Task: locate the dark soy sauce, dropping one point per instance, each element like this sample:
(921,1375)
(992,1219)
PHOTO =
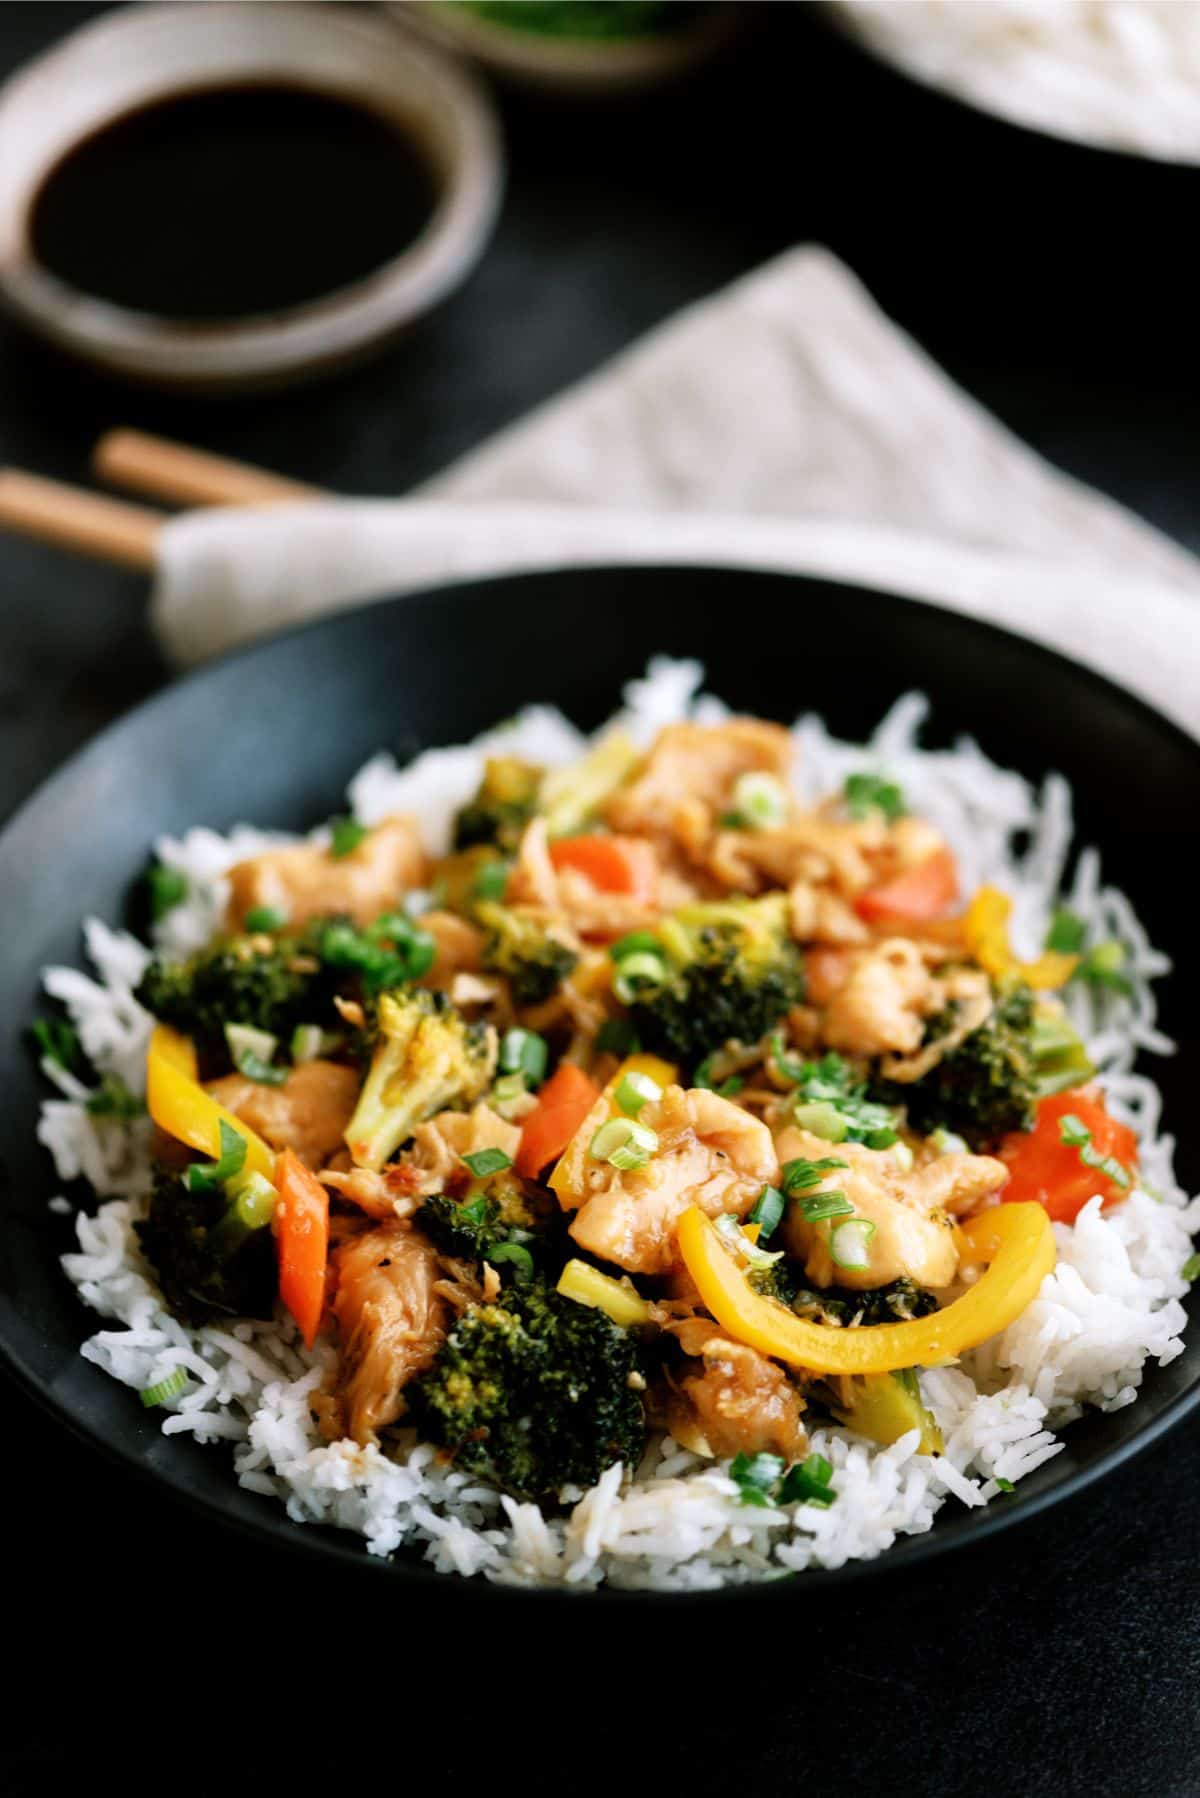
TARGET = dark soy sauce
(229,201)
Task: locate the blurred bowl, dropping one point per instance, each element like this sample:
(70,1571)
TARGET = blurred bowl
(141,55)
(579,65)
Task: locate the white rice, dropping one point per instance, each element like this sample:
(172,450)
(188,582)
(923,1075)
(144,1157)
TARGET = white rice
(1111,1306)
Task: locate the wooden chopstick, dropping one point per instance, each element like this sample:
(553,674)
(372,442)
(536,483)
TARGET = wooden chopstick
(182,476)
(111,529)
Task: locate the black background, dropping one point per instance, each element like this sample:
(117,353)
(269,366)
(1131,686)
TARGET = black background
(149,1649)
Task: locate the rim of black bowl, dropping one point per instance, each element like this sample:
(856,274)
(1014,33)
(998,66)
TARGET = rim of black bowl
(348,1550)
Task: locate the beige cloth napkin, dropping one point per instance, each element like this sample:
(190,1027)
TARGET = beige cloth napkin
(784,423)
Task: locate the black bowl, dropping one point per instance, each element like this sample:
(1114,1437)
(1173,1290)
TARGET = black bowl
(273,733)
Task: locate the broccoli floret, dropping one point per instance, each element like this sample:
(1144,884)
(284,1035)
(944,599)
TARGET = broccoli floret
(271,983)
(426,1059)
(898,1302)
(729,971)
(992,1081)
(206,1263)
(534,1392)
(502,807)
(534,960)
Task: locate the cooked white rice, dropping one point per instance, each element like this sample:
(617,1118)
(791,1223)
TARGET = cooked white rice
(1111,1305)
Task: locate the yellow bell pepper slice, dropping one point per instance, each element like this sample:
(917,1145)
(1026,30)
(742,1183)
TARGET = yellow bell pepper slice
(618,1300)
(179,1050)
(985,928)
(1016,1241)
(180,1106)
(562,1182)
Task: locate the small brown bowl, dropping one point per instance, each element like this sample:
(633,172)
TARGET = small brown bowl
(145,54)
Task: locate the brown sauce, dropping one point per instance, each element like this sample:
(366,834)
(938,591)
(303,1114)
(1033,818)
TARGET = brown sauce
(232,201)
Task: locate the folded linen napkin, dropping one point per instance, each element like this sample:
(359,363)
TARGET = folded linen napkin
(785,423)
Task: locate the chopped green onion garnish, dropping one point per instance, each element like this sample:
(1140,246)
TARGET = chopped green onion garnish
(734,1237)
(167,888)
(638,973)
(487,1161)
(1066,933)
(254,1198)
(636,1090)
(203,1176)
(850,1244)
(760,801)
(1075,1134)
(638,942)
(113,1099)
(755,1476)
(345,834)
(1072,1130)
(624,1144)
(801,1176)
(1190,1268)
(524,1052)
(947,1143)
(808,1483)
(766,1212)
(475,1210)
(1004,1485)
(265,917)
(168,1387)
(816,1207)
(866,793)
(251,1050)
(820,1117)
(57,1041)
(1102,966)
(507,1092)
(491,882)
(703,1078)
(517,1253)
(787,1067)
(307,1042)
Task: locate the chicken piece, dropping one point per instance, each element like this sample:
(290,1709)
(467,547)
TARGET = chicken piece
(908,1207)
(810,847)
(568,900)
(305,882)
(731,1400)
(817,914)
(391,1321)
(883,1003)
(971,990)
(307,1113)
(436,1156)
(686,781)
(711,1153)
(395,1191)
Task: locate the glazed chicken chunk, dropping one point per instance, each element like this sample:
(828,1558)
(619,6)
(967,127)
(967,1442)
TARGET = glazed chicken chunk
(391,1321)
(730,1399)
(307,1113)
(304,882)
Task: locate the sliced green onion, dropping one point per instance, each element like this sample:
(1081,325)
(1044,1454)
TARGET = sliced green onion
(761,801)
(821,1117)
(817,1207)
(203,1176)
(637,974)
(265,917)
(636,1090)
(734,1237)
(517,1253)
(1102,966)
(1066,933)
(345,835)
(809,1482)
(755,1476)
(1076,1135)
(637,942)
(254,1198)
(703,1079)
(947,1143)
(866,793)
(850,1244)
(491,881)
(307,1042)
(507,1092)
(170,1386)
(766,1212)
(251,1051)
(1073,1131)
(487,1161)
(167,888)
(802,1175)
(624,1144)
(1190,1268)
(1004,1485)
(524,1052)
(786,1065)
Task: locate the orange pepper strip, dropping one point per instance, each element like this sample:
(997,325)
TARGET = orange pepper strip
(1016,1240)
(302,1242)
(626,865)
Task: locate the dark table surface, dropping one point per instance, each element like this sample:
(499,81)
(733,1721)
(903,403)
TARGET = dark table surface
(1058,286)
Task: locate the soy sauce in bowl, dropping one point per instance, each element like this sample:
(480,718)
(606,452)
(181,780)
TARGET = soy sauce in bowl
(231,202)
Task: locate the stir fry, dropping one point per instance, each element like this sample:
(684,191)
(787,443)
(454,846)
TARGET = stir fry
(659,1103)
